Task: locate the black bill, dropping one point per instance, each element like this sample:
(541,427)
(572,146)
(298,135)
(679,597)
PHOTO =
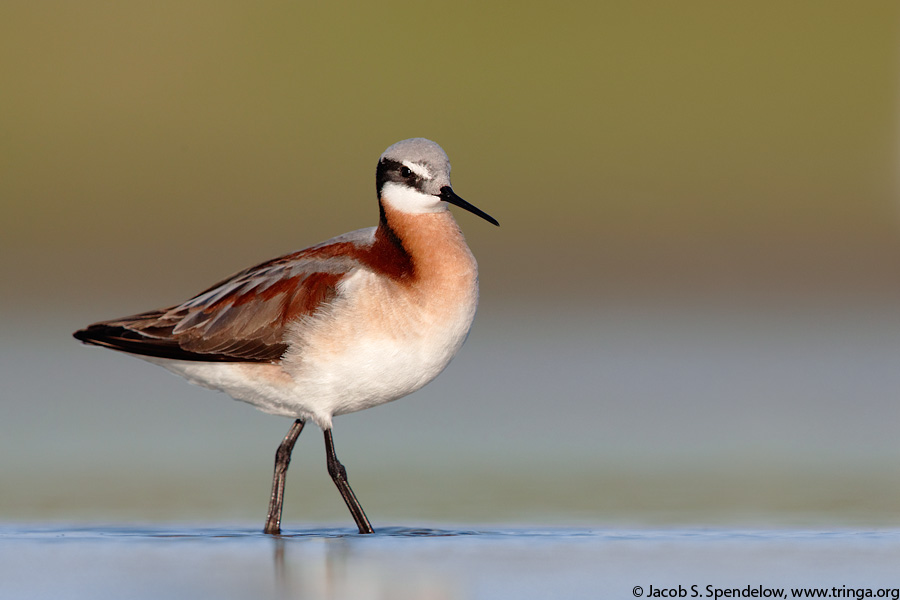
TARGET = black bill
(447,195)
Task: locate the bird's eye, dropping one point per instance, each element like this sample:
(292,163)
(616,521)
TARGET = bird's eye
(405,172)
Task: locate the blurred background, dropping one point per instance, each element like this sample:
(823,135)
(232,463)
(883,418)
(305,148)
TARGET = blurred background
(690,312)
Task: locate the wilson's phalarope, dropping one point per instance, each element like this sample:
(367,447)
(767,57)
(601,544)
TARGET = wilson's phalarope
(362,319)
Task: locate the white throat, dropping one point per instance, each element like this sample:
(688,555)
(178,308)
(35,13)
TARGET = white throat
(408,200)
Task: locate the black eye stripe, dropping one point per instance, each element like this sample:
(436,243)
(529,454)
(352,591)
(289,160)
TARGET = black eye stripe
(394,171)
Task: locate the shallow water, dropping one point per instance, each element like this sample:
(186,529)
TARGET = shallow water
(175,562)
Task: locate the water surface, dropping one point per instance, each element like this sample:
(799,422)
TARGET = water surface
(173,562)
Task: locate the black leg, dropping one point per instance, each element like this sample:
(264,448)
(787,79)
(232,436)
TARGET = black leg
(339,476)
(282,460)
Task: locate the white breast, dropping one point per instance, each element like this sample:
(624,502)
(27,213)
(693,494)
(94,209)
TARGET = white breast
(377,343)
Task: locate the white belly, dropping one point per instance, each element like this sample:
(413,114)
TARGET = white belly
(374,345)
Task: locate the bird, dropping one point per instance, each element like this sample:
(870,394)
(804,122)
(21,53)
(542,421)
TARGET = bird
(359,320)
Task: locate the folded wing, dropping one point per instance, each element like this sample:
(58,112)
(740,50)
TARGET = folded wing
(241,319)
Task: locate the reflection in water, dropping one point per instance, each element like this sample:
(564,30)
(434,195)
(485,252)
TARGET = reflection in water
(329,566)
(282,588)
